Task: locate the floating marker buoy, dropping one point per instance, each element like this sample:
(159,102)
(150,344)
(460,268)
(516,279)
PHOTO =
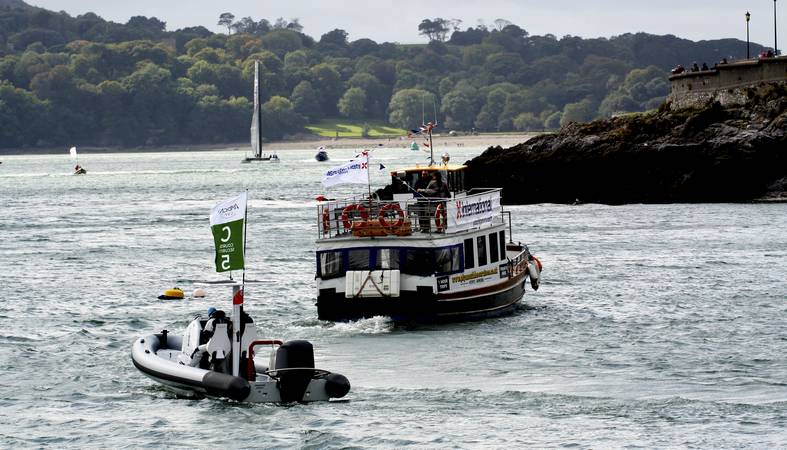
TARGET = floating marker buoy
(199,293)
(172,294)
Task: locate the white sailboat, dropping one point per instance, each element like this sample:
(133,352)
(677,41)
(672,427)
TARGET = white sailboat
(78,170)
(256,125)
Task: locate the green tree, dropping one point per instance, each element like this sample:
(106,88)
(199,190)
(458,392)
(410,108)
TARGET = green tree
(352,104)
(226,19)
(582,111)
(328,84)
(280,118)
(460,107)
(305,101)
(405,109)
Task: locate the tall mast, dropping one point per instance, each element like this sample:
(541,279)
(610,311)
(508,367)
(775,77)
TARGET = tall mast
(258,107)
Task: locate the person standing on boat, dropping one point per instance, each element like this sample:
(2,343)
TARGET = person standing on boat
(214,316)
(423,181)
(436,188)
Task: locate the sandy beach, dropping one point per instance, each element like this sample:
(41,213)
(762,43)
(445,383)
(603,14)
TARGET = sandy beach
(441,141)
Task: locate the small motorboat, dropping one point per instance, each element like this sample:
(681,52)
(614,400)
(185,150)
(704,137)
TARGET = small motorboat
(197,365)
(321,155)
(79,170)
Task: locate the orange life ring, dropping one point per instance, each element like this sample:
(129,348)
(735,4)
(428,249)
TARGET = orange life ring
(349,209)
(388,226)
(439,217)
(326,221)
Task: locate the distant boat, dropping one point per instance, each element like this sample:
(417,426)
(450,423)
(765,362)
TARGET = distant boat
(78,170)
(321,155)
(256,125)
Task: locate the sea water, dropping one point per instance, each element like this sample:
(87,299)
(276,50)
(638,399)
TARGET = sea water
(655,325)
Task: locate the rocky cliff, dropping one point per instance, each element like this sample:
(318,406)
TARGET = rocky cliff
(706,154)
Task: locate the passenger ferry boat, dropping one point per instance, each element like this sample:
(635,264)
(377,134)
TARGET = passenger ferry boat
(418,259)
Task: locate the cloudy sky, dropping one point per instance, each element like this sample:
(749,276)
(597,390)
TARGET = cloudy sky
(397,20)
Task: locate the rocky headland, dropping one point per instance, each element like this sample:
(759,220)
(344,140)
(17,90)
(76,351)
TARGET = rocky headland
(708,153)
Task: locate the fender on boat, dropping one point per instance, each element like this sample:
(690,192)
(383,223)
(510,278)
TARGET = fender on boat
(143,354)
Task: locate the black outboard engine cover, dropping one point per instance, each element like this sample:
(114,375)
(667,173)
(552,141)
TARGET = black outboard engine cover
(293,383)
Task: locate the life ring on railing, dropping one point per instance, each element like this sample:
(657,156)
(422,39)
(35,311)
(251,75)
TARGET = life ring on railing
(439,217)
(326,220)
(390,227)
(349,209)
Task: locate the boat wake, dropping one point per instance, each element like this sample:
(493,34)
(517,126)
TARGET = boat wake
(373,325)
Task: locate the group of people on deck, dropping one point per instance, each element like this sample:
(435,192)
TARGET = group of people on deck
(432,187)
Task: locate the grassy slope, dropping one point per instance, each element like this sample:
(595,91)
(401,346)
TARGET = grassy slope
(348,128)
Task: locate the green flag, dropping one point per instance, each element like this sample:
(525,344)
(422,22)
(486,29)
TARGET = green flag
(226,224)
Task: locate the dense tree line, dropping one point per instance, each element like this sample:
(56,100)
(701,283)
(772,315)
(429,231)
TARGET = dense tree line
(86,81)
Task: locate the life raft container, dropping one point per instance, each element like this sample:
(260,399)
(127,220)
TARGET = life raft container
(349,209)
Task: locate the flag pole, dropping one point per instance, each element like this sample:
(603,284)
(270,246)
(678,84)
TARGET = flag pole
(237,300)
(368,178)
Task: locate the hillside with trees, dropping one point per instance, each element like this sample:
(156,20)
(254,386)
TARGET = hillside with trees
(87,81)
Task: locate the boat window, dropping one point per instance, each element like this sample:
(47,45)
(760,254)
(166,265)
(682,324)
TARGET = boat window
(469,254)
(494,253)
(481,241)
(448,260)
(330,264)
(358,259)
(387,258)
(418,262)
(502,244)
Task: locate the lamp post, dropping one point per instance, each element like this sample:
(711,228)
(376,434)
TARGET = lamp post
(748,17)
(775,45)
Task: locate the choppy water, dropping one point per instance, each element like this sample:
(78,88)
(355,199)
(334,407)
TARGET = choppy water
(656,326)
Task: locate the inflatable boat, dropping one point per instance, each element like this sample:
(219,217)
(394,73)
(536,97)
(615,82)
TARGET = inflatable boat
(199,364)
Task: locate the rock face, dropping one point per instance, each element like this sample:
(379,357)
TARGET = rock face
(709,154)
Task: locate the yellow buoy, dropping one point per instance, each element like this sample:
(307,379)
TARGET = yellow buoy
(172,294)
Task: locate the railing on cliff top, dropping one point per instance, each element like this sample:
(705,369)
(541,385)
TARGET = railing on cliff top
(364,217)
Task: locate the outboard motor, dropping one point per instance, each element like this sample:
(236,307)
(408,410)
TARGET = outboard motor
(294,355)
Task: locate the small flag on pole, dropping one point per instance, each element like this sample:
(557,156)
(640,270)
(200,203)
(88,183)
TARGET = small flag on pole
(226,224)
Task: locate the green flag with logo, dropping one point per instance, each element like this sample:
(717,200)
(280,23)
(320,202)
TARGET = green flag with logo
(226,224)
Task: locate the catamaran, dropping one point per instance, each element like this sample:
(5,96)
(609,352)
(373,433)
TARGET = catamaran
(215,356)
(415,257)
(256,125)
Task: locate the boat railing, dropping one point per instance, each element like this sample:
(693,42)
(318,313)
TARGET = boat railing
(518,263)
(365,217)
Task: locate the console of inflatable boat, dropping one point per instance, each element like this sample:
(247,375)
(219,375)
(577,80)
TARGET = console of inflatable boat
(200,363)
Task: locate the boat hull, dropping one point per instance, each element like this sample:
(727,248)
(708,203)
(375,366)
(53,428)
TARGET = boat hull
(425,307)
(152,355)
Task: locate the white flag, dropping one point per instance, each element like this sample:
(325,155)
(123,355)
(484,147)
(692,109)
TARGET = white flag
(353,172)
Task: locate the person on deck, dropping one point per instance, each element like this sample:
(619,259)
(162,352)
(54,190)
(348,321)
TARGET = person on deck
(423,181)
(436,188)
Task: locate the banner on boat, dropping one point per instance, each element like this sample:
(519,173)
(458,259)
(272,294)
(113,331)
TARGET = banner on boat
(353,172)
(226,224)
(464,213)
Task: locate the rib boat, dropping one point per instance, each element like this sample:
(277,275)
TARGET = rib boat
(215,356)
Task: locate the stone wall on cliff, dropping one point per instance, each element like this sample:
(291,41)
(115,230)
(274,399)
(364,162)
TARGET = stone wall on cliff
(727,84)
